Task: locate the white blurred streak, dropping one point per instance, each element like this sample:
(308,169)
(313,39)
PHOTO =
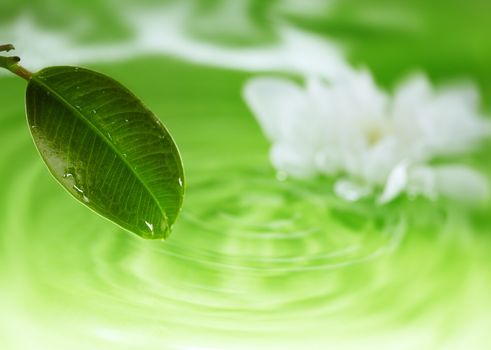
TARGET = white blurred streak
(296,51)
(163,31)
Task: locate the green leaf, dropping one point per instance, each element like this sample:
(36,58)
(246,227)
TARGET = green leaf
(106,148)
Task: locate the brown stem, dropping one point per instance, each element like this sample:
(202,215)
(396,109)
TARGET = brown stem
(12,63)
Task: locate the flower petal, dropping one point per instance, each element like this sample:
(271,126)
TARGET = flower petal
(396,183)
(274,102)
(436,123)
(294,161)
(462,183)
(351,191)
(422,182)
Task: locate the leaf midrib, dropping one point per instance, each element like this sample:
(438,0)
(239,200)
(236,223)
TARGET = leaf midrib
(84,119)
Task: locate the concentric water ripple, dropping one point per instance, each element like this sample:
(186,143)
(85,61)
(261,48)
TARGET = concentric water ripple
(264,226)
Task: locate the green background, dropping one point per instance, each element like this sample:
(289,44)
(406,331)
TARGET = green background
(253,263)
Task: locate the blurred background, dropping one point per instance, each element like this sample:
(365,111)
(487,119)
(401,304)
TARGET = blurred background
(253,263)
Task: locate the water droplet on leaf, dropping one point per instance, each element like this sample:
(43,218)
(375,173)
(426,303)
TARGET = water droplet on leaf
(78,189)
(150,226)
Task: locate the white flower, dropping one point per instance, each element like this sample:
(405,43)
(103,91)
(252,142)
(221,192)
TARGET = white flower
(349,129)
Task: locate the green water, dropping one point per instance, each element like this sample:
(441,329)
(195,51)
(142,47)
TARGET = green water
(253,262)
